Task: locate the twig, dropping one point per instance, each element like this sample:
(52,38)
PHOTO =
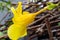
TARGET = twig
(33,36)
(49,29)
(39,19)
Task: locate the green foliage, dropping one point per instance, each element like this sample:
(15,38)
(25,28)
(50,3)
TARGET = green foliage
(1,34)
(59,24)
(3,39)
(4,4)
(51,5)
(5,31)
(1,6)
(9,23)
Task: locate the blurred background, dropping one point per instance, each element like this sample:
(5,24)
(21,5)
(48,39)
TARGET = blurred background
(6,15)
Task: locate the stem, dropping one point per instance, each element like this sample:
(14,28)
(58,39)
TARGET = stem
(42,10)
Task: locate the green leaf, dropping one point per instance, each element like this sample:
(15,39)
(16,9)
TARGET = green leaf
(59,24)
(51,6)
(5,4)
(0,6)
(1,34)
(9,2)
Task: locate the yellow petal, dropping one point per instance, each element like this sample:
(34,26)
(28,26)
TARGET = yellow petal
(25,12)
(19,8)
(14,11)
(17,31)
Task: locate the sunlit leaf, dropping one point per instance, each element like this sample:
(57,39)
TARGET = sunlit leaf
(1,34)
(51,6)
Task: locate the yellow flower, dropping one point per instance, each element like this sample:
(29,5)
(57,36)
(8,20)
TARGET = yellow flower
(20,20)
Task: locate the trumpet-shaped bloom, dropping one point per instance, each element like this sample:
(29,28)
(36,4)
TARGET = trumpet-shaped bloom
(20,21)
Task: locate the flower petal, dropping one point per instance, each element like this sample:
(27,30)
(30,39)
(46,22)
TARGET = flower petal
(19,8)
(14,11)
(25,12)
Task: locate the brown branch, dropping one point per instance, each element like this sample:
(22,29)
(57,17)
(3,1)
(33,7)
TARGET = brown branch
(39,19)
(33,36)
(49,29)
